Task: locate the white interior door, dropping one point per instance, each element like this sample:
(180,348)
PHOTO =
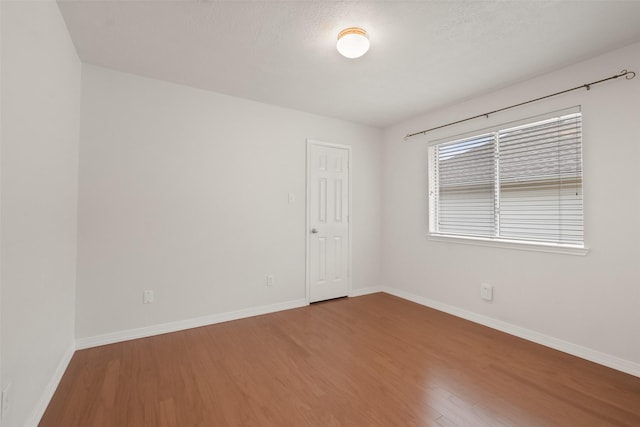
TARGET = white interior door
(328,242)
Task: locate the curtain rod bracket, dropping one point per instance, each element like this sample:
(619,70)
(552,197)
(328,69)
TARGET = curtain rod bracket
(627,75)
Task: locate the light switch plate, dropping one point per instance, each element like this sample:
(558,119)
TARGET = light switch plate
(147,297)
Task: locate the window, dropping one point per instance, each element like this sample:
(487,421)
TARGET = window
(521,184)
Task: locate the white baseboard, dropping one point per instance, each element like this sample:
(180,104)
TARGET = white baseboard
(546,340)
(608,360)
(365,291)
(180,325)
(50,389)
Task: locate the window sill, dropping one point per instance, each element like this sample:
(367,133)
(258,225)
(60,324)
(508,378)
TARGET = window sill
(510,244)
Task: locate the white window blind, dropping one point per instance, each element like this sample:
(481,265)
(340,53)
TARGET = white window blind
(522,183)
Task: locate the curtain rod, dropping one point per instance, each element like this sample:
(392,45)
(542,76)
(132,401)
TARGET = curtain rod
(627,75)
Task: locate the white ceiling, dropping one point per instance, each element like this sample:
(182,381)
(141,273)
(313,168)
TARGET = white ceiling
(424,54)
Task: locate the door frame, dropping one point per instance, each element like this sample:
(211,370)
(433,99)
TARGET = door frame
(312,142)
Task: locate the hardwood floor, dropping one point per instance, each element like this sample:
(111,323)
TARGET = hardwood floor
(375,360)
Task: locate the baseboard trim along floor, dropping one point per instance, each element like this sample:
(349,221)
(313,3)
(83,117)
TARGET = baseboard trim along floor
(181,325)
(608,360)
(378,359)
(591,355)
(50,389)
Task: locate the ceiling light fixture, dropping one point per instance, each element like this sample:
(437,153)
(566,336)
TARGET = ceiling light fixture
(353,42)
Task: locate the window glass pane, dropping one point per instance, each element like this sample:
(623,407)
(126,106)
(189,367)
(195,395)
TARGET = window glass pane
(466,171)
(541,182)
(522,183)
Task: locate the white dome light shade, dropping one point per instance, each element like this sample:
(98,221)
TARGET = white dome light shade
(353,42)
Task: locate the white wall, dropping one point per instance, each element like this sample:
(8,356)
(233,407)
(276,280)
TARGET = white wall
(589,301)
(40,120)
(184,192)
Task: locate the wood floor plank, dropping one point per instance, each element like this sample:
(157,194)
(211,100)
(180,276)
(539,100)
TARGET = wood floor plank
(374,360)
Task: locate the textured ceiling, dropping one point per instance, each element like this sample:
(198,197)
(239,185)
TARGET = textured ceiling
(424,54)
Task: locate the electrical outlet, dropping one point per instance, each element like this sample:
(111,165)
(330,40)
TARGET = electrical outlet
(147,297)
(5,401)
(486,292)
(271,280)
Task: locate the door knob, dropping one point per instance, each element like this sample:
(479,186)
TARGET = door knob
(314,231)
